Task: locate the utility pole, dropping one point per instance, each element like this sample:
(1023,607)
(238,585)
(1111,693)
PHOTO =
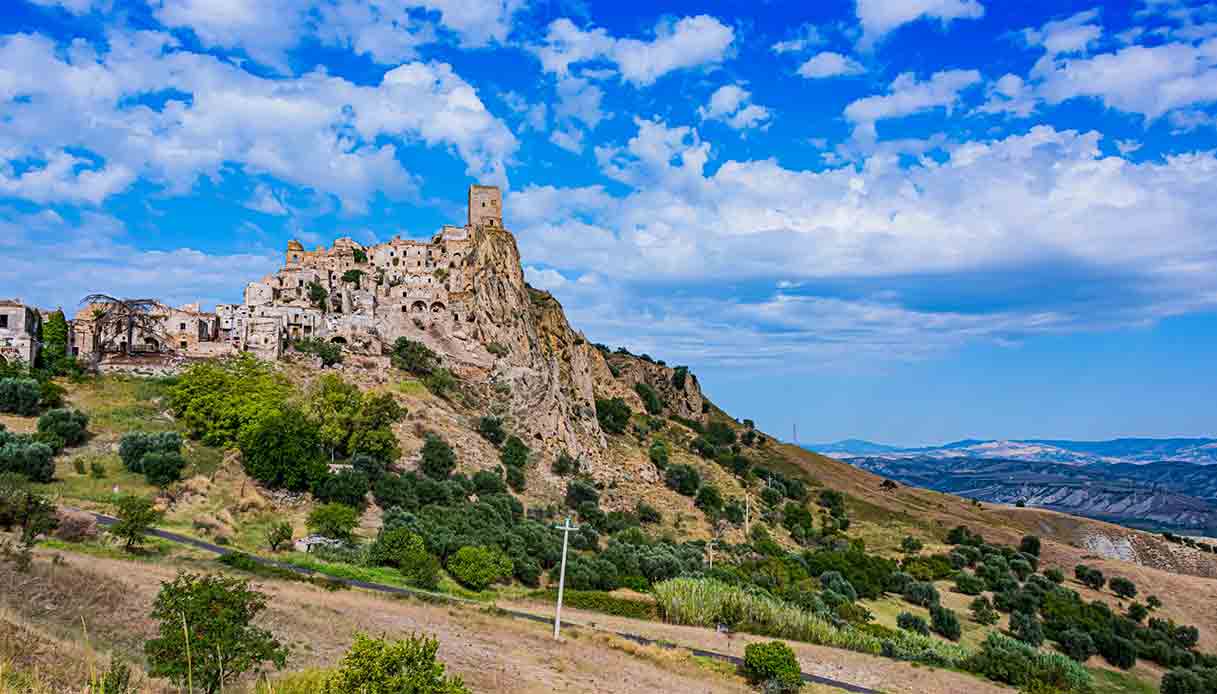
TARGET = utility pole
(566,529)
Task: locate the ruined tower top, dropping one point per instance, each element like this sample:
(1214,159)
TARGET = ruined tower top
(485,206)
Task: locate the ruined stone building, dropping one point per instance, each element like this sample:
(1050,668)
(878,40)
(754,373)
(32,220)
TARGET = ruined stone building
(186,331)
(20,326)
(363,297)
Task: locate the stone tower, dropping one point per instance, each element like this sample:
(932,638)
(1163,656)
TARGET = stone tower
(485,206)
(295,252)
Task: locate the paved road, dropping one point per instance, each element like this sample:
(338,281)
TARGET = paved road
(398,590)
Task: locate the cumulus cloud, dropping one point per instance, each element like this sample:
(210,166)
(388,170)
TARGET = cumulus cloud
(732,104)
(1010,94)
(1071,35)
(317,132)
(830,64)
(1091,241)
(681,44)
(908,95)
(880,17)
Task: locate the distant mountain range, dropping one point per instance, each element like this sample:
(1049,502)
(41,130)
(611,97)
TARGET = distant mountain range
(1154,484)
(1197,451)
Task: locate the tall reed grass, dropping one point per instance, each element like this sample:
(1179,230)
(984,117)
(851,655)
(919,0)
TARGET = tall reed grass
(708,603)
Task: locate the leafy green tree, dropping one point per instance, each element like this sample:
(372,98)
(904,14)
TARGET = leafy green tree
(438,458)
(1077,644)
(347,487)
(282,449)
(413,357)
(328,352)
(332,404)
(1153,602)
(709,500)
(206,637)
(317,295)
(336,521)
(478,567)
(911,622)
(1090,577)
(613,415)
(136,516)
(376,666)
(68,426)
(136,444)
(278,535)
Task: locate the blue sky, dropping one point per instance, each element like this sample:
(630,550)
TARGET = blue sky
(909,221)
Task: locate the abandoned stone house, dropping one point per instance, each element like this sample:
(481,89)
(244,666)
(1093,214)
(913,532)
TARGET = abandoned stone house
(363,297)
(20,326)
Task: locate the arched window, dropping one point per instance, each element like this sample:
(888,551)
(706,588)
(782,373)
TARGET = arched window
(437,307)
(418,307)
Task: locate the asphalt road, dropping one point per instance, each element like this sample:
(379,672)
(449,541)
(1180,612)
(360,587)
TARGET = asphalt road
(397,590)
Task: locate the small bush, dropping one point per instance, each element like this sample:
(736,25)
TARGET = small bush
(579,491)
(1077,644)
(983,612)
(278,535)
(658,453)
(914,623)
(413,357)
(20,396)
(1026,627)
(1055,575)
(478,567)
(516,479)
(774,666)
(1004,659)
(135,445)
(438,459)
(647,513)
(650,399)
(376,666)
(135,518)
(328,352)
(1122,587)
(969,583)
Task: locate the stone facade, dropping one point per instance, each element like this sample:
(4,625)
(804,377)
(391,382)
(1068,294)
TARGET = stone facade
(20,326)
(185,331)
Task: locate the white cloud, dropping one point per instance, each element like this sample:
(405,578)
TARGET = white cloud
(682,44)
(1094,241)
(879,17)
(264,199)
(1149,80)
(64,178)
(1010,94)
(318,132)
(907,95)
(1072,35)
(733,105)
(77,6)
(830,64)
(533,116)
(808,35)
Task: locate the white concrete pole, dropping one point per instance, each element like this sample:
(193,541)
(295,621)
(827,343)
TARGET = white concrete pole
(565,528)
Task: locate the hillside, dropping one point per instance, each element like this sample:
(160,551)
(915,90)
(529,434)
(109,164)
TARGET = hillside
(470,438)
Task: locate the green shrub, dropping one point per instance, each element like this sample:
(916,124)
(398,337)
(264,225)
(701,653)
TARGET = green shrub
(1030,544)
(206,632)
(911,545)
(1089,577)
(969,583)
(376,666)
(136,444)
(491,429)
(683,479)
(914,623)
(944,623)
(438,458)
(282,449)
(613,415)
(135,517)
(514,453)
(709,500)
(70,426)
(580,491)
(564,465)
(347,487)
(1055,575)
(922,593)
(1122,587)
(774,666)
(1025,627)
(20,396)
(478,567)
(1197,680)
(413,357)
(335,521)
(328,352)
(1006,660)
(647,513)
(658,453)
(162,468)
(1077,644)
(650,399)
(983,612)
(24,456)
(516,479)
